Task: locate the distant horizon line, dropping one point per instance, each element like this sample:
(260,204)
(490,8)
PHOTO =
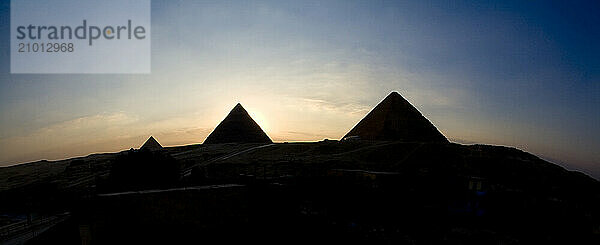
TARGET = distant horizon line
(451,141)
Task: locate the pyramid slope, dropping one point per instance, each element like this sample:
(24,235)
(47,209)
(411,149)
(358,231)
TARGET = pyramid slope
(237,127)
(151,144)
(396,119)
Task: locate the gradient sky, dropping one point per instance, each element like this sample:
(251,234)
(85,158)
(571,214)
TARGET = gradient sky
(517,73)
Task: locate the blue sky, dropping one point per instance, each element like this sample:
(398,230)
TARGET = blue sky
(517,73)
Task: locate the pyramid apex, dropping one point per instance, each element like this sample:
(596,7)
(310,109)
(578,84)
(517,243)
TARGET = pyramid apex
(394,94)
(238,106)
(395,119)
(237,127)
(151,144)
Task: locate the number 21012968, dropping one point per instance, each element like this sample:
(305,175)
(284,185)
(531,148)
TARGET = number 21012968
(46,47)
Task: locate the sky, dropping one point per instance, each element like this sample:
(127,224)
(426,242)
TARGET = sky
(517,73)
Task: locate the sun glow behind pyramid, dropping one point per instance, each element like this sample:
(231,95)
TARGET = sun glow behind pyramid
(261,120)
(237,127)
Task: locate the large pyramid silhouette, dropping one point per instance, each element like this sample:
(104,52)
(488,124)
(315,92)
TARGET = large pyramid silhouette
(151,144)
(237,127)
(396,119)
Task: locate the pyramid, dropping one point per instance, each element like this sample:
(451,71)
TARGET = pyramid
(151,144)
(395,119)
(237,127)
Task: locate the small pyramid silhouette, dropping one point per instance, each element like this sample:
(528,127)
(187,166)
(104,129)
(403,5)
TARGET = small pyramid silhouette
(395,119)
(151,144)
(237,127)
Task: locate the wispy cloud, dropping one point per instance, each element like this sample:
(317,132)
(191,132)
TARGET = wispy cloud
(333,106)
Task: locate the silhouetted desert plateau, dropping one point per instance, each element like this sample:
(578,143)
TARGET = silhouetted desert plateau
(394,178)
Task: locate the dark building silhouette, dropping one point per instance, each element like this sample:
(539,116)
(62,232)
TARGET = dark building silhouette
(396,119)
(237,127)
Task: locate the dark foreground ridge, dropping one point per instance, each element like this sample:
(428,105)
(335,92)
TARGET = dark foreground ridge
(356,192)
(237,127)
(405,188)
(395,118)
